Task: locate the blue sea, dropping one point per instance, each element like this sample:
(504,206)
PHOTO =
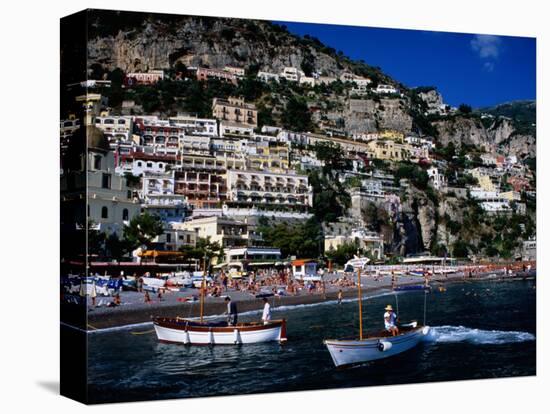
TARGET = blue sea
(479,330)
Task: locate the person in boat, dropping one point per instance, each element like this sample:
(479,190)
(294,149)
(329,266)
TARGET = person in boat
(232,314)
(266,315)
(390,321)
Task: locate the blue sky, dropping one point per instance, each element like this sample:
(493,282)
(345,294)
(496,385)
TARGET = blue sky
(480,70)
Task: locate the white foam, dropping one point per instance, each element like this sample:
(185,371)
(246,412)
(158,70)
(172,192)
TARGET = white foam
(452,334)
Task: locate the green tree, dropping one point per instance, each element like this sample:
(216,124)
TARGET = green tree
(142,230)
(296,115)
(343,253)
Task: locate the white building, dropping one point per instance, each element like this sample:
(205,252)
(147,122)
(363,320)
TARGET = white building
(261,187)
(196,126)
(228,128)
(268,76)
(116,129)
(291,74)
(245,257)
(382,89)
(436,178)
(307,80)
(110,203)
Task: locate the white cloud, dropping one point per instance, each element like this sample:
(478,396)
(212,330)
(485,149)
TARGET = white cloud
(488,47)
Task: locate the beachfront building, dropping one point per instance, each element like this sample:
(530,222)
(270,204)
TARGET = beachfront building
(244,258)
(110,202)
(235,110)
(223,230)
(201,178)
(269,189)
(173,239)
(370,243)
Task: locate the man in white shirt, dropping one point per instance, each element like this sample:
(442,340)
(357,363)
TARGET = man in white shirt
(390,319)
(266,315)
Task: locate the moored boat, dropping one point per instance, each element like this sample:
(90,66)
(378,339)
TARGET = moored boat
(185,331)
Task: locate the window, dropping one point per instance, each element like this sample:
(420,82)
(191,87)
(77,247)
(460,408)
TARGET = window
(106,181)
(168,238)
(97,162)
(139,163)
(125,214)
(149,165)
(188,238)
(104,212)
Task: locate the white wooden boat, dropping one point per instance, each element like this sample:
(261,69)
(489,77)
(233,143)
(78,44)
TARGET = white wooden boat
(185,331)
(350,352)
(346,352)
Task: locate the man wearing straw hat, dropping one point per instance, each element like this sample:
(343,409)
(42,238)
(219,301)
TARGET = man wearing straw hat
(390,319)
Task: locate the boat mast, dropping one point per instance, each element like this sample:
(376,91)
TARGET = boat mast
(203,285)
(360,304)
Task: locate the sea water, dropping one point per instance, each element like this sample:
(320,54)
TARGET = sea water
(479,330)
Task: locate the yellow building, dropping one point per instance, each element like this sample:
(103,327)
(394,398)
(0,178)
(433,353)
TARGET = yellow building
(388,150)
(393,135)
(483,179)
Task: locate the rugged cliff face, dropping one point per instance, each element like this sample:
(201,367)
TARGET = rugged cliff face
(500,136)
(415,226)
(158,43)
(368,115)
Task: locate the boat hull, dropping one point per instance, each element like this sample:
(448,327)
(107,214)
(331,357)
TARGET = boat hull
(350,352)
(195,334)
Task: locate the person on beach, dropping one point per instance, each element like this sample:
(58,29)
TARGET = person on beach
(232,314)
(390,320)
(115,302)
(340,297)
(266,315)
(146,297)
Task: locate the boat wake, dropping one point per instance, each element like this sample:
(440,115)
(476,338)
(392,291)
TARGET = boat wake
(450,334)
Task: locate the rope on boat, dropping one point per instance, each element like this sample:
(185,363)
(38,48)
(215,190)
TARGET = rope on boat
(93,327)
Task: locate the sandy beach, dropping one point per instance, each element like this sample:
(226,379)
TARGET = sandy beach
(133,309)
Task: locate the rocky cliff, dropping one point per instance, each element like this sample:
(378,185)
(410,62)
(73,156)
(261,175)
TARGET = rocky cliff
(159,41)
